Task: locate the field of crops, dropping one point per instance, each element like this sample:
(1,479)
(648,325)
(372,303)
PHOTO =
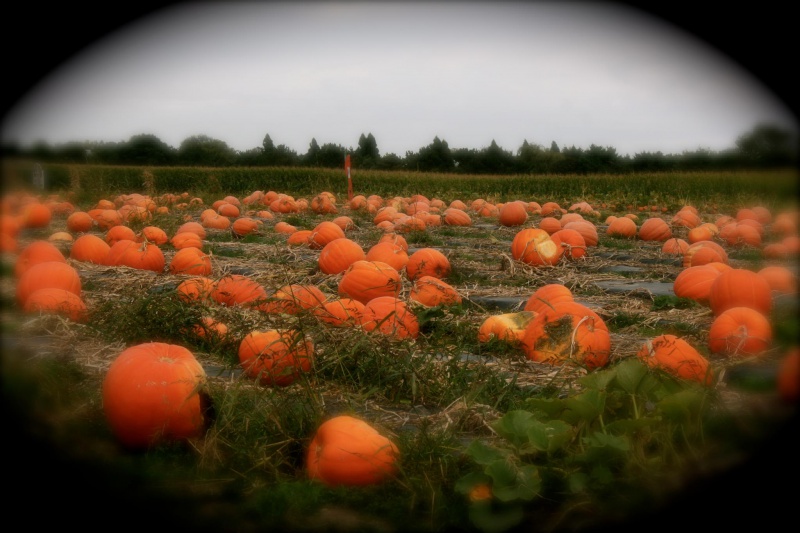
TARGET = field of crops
(609,399)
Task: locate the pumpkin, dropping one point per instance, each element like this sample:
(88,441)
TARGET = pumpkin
(389,252)
(512,214)
(50,274)
(347,451)
(89,248)
(186,239)
(703,232)
(299,238)
(427,262)
(340,312)
(703,252)
(323,203)
(686,218)
(655,229)
(551,209)
(535,247)
(571,242)
(216,222)
(344,222)
(53,300)
(36,215)
(336,256)
(548,295)
(568,331)
(294,298)
(677,357)
(229,210)
(549,224)
(245,226)
(622,228)
(506,327)
(38,251)
(695,282)
(323,233)
(788,378)
(587,230)
(154,235)
(198,289)
(118,233)
(395,238)
(80,222)
(192,227)
(780,279)
(275,357)
(431,291)
(674,246)
(238,289)
(453,216)
(738,332)
(739,287)
(390,316)
(153,393)
(365,280)
(190,261)
(142,256)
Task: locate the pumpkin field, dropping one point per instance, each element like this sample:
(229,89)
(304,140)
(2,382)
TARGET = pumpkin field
(433,358)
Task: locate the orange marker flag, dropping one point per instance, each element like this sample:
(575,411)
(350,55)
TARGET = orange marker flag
(349,179)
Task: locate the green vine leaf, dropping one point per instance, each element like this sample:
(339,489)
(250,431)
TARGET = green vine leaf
(630,374)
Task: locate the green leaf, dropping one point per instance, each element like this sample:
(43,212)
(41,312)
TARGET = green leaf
(614,442)
(514,427)
(630,374)
(598,380)
(465,484)
(524,484)
(503,474)
(551,436)
(588,405)
(483,454)
(683,406)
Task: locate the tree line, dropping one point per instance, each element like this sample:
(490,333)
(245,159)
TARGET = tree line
(764,147)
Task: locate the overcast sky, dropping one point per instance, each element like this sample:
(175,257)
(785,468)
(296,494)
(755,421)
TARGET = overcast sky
(468,73)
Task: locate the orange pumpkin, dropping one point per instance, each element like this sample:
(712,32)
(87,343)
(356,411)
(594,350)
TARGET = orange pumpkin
(432,291)
(695,282)
(50,274)
(739,332)
(118,233)
(453,216)
(347,451)
(154,235)
(186,239)
(703,252)
(276,357)
(389,252)
(507,327)
(192,227)
(153,393)
(571,242)
(549,224)
(513,214)
(340,312)
(548,295)
(655,229)
(245,226)
(587,230)
(238,289)
(36,215)
(90,248)
(38,251)
(336,256)
(780,279)
(53,300)
(294,298)
(674,246)
(739,287)
(79,222)
(323,233)
(198,289)
(390,316)
(190,261)
(677,357)
(427,262)
(365,280)
(535,247)
(788,378)
(623,228)
(568,331)
(143,256)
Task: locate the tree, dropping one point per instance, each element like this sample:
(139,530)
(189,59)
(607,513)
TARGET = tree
(768,146)
(436,156)
(332,155)
(146,149)
(201,150)
(366,155)
(554,148)
(311,158)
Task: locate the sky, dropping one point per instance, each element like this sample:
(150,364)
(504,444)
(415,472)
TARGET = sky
(469,73)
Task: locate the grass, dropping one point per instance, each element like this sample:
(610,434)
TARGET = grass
(600,447)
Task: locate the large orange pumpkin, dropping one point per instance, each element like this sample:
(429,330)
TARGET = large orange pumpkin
(365,280)
(571,241)
(780,279)
(389,252)
(153,393)
(276,357)
(390,316)
(534,246)
(79,222)
(513,214)
(655,229)
(587,230)
(676,356)
(740,332)
(623,228)
(506,327)
(190,260)
(294,298)
(238,289)
(90,248)
(50,274)
(198,289)
(427,262)
(695,282)
(739,287)
(118,233)
(568,331)
(432,291)
(340,312)
(323,233)
(347,451)
(336,256)
(143,256)
(38,251)
(53,300)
